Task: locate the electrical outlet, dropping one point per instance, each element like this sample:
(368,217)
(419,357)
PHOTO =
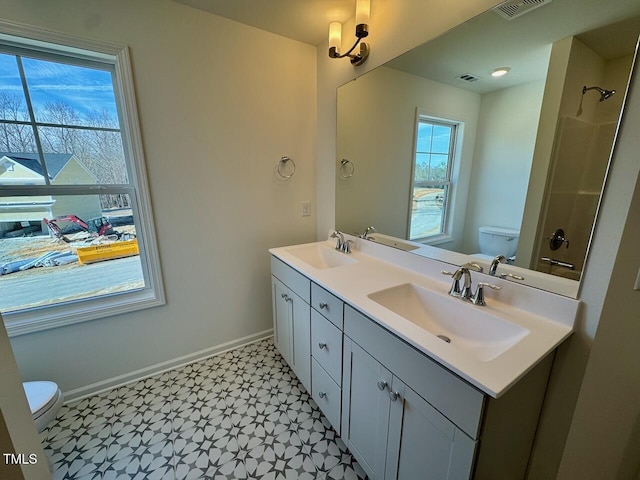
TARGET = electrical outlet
(306,208)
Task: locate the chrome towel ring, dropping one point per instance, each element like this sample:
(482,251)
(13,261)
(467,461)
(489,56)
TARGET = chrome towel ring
(346,168)
(282,167)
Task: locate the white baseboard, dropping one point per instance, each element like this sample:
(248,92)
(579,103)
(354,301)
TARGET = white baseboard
(78,394)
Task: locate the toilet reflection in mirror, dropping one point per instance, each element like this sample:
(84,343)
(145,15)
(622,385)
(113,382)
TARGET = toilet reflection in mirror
(496,241)
(532,147)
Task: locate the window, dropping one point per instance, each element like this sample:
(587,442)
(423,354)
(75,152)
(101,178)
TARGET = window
(76,235)
(432,178)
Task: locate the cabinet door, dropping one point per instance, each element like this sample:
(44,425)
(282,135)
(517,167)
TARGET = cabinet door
(281,318)
(422,442)
(365,407)
(301,340)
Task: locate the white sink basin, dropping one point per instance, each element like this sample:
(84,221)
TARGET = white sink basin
(321,257)
(467,327)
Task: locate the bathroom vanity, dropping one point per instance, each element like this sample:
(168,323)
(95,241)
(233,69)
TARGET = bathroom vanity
(417,383)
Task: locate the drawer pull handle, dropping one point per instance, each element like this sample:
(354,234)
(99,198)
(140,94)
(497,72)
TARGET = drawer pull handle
(323,305)
(322,345)
(394,396)
(382,385)
(322,394)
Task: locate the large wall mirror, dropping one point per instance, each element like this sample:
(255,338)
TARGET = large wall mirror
(446,160)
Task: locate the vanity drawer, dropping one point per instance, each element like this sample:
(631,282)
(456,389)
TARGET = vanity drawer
(326,345)
(456,399)
(326,393)
(293,279)
(327,304)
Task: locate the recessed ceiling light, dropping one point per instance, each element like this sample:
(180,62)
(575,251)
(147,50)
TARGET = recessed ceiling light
(500,71)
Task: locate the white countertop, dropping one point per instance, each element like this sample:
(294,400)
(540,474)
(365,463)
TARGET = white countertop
(548,317)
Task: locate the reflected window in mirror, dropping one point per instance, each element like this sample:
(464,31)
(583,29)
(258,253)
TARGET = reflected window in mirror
(432,180)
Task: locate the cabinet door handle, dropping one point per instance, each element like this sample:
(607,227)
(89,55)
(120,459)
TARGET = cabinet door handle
(322,345)
(394,396)
(284,295)
(382,384)
(323,305)
(322,394)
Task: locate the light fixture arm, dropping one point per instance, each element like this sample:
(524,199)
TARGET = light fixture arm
(356,59)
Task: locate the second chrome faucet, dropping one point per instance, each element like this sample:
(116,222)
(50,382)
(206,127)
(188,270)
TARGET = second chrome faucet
(341,244)
(466,292)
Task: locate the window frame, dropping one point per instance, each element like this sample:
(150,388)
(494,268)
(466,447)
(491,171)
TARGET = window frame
(80,51)
(454,158)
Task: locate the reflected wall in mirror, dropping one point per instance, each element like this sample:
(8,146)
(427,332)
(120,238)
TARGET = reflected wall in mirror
(530,149)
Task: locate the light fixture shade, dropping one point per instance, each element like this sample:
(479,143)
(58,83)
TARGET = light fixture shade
(335,36)
(363,10)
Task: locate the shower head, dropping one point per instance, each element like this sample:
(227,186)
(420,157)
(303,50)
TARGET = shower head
(604,94)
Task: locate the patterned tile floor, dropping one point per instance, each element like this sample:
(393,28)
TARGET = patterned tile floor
(239,415)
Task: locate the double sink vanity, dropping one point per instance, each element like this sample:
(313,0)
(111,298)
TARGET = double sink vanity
(418,383)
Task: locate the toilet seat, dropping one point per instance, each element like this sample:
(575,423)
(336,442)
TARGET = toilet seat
(40,395)
(45,399)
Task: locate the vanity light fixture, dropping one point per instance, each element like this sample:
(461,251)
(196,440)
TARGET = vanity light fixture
(500,71)
(362,30)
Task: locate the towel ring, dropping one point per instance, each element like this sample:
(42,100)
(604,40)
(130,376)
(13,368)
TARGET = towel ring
(281,163)
(345,171)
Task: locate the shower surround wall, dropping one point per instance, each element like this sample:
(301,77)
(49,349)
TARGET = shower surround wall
(580,158)
(585,132)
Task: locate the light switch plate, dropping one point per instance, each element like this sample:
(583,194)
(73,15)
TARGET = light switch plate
(306,208)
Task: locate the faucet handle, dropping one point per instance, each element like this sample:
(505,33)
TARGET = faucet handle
(511,276)
(346,246)
(478,298)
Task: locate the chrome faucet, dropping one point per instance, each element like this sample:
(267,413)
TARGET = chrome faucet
(342,244)
(367,231)
(494,263)
(464,273)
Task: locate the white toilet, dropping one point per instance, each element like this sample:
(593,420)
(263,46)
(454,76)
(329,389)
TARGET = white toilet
(45,399)
(497,241)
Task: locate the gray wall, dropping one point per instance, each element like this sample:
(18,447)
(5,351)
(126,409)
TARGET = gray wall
(215,120)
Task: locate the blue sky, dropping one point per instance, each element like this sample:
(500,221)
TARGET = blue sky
(85,89)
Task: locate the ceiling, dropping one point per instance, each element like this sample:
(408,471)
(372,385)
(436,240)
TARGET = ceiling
(303,20)
(523,43)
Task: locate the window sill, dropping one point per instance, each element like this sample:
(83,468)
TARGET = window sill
(435,240)
(46,318)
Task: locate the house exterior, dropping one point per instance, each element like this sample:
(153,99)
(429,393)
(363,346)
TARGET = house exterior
(62,169)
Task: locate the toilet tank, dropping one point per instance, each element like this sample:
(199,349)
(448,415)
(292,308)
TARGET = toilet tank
(498,241)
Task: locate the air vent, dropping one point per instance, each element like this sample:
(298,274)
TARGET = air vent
(515,8)
(468,77)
